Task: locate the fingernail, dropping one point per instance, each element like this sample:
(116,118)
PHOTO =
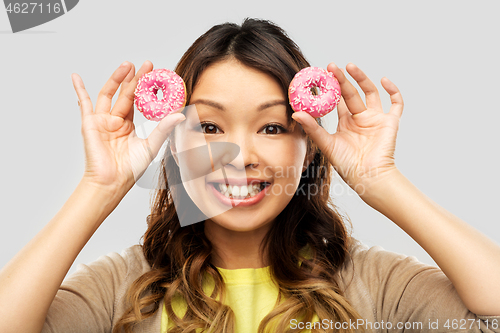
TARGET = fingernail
(123,64)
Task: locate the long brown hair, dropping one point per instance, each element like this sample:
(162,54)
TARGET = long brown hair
(180,257)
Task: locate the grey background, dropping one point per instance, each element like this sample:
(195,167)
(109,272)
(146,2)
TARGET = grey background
(443,56)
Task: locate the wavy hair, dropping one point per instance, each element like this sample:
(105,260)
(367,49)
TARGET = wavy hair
(180,257)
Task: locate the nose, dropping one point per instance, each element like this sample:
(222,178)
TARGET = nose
(221,154)
(248,156)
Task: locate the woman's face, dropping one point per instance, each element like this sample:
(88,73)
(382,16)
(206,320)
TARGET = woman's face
(240,105)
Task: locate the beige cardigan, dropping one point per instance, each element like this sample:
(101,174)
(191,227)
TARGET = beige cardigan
(384,287)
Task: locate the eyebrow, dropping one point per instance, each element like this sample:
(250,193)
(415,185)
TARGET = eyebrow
(221,107)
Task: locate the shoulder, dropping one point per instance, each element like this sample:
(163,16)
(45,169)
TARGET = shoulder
(363,257)
(135,260)
(119,266)
(387,285)
(92,298)
(116,272)
(110,274)
(375,266)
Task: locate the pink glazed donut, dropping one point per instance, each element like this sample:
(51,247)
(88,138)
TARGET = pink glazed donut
(302,98)
(172,87)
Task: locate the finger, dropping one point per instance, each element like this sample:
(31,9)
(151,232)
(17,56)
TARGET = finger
(105,96)
(318,134)
(127,79)
(125,103)
(397,103)
(123,87)
(161,132)
(342,109)
(83,97)
(370,90)
(349,92)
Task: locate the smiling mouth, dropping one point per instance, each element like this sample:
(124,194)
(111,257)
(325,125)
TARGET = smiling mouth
(240,192)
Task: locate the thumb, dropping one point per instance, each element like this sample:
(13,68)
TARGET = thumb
(163,130)
(318,134)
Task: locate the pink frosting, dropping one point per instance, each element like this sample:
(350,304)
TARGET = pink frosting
(173,89)
(301,97)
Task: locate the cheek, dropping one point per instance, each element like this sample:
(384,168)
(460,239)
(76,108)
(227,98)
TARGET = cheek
(186,138)
(286,157)
(192,155)
(295,154)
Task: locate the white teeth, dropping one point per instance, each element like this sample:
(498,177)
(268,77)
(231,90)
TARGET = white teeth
(239,192)
(251,190)
(236,191)
(244,191)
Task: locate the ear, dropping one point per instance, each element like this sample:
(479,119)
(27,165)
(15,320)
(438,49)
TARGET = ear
(173,149)
(309,158)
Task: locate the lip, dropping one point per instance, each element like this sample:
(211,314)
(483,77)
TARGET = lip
(235,202)
(239,181)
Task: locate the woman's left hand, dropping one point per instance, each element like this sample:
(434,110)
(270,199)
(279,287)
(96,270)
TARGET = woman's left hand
(362,149)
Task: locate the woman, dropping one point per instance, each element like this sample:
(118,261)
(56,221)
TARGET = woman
(281,260)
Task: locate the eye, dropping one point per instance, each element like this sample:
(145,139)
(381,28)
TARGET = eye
(274,129)
(208,128)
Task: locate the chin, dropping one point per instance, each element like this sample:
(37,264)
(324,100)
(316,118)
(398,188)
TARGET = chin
(237,224)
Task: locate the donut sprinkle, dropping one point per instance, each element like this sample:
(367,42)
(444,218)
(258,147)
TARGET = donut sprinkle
(172,87)
(302,98)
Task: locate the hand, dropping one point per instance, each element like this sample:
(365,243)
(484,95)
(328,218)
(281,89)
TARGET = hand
(362,149)
(115,156)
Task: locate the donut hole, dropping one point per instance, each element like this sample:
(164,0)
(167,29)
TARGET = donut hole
(315,91)
(159,94)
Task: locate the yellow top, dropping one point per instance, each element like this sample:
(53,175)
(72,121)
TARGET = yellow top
(250,293)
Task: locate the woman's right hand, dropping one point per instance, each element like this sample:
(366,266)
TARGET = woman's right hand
(115,156)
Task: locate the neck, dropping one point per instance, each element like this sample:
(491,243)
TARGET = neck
(236,249)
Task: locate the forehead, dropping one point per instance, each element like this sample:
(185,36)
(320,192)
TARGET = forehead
(245,91)
(231,80)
